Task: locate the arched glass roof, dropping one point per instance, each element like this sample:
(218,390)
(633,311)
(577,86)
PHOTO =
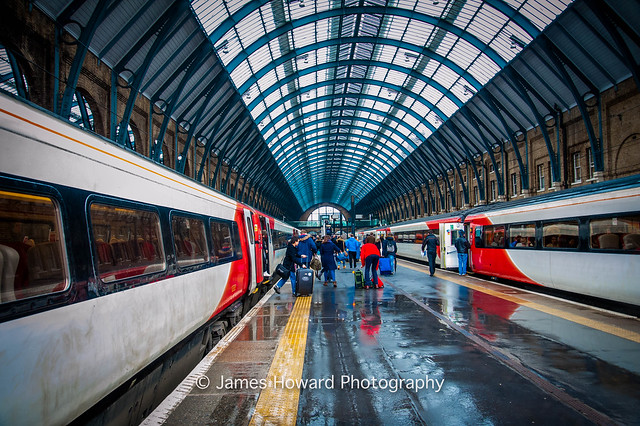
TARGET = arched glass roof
(343,91)
(318,101)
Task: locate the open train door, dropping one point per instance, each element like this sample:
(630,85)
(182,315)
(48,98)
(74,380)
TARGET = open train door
(449,232)
(267,246)
(252,250)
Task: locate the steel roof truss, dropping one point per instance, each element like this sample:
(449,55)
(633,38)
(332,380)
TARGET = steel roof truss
(497,109)
(524,89)
(82,47)
(596,147)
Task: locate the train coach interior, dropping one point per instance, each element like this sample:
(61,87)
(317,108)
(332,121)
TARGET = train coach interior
(31,255)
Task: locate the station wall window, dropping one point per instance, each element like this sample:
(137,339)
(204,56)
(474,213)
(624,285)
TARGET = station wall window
(514,184)
(494,236)
(577,175)
(522,235)
(540,172)
(560,234)
(592,167)
(615,233)
(127,242)
(32,260)
(189,241)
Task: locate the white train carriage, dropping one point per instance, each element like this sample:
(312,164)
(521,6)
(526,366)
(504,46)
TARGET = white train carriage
(107,261)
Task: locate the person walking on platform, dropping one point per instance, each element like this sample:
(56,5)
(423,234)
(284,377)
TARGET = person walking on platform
(462,246)
(369,257)
(389,249)
(431,244)
(307,247)
(352,245)
(291,259)
(327,249)
(341,258)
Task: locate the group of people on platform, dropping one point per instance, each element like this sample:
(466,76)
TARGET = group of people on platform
(334,253)
(301,250)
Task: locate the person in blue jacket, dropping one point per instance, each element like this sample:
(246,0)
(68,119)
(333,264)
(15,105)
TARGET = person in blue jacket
(306,248)
(352,245)
(327,249)
(389,249)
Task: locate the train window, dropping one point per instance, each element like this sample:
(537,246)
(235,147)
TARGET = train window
(32,259)
(560,234)
(226,241)
(127,242)
(522,235)
(477,238)
(280,239)
(494,236)
(235,237)
(615,233)
(189,241)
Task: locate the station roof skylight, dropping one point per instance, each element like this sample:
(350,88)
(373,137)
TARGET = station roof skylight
(343,91)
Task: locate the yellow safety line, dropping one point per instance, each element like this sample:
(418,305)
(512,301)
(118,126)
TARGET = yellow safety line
(597,325)
(278,402)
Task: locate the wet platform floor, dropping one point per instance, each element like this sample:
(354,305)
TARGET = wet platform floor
(423,350)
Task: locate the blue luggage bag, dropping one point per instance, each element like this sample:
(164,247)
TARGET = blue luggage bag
(386,266)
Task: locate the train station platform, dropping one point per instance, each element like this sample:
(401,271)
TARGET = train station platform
(447,349)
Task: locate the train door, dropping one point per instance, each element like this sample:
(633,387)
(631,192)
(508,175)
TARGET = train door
(449,232)
(252,252)
(267,245)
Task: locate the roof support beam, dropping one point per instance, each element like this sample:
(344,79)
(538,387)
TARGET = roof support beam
(165,26)
(596,145)
(524,90)
(614,25)
(492,103)
(82,47)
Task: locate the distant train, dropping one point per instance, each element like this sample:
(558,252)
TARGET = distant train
(584,240)
(107,262)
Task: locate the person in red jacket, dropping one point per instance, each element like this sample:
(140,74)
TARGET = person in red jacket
(369,257)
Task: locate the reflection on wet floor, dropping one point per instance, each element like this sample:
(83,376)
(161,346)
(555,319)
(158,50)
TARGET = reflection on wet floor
(430,350)
(383,334)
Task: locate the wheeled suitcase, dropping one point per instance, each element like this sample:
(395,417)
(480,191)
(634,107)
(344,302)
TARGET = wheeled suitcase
(386,266)
(358,278)
(304,281)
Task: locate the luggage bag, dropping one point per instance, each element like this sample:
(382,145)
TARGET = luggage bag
(386,266)
(358,278)
(304,281)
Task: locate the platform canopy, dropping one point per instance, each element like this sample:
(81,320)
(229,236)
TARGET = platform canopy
(364,98)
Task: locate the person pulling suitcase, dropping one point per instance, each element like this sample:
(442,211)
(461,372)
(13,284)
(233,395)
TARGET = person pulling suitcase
(291,258)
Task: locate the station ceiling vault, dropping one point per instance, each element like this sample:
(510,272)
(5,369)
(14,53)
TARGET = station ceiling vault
(316,101)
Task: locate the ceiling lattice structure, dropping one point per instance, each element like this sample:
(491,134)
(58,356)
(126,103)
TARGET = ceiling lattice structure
(316,101)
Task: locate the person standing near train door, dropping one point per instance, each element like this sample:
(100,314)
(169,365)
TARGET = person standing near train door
(431,243)
(291,259)
(462,246)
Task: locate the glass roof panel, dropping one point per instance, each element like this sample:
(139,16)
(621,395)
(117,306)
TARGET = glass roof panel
(474,41)
(211,14)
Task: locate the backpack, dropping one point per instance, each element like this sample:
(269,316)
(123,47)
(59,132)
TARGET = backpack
(390,247)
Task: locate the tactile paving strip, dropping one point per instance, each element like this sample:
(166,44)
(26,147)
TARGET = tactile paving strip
(278,402)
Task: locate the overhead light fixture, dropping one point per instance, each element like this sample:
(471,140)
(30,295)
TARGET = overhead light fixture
(468,90)
(516,42)
(224,46)
(408,56)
